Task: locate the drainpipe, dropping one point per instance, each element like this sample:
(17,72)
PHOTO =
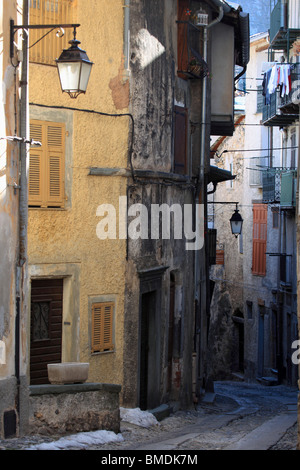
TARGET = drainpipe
(126,38)
(204,99)
(21,277)
(200,193)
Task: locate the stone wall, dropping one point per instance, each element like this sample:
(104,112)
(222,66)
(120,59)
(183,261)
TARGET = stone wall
(63,409)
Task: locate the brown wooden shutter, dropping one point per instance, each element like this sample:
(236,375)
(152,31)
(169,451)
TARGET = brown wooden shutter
(180,143)
(46,165)
(260,214)
(102,326)
(182,45)
(220,257)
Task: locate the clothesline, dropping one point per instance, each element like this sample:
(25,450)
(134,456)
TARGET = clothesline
(277,75)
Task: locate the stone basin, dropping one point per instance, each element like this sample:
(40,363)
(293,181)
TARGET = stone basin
(68,372)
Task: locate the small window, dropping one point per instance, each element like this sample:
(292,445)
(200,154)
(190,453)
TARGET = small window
(249,309)
(275,219)
(102,327)
(180,143)
(46,165)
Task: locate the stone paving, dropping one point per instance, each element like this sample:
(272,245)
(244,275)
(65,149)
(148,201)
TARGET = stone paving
(238,410)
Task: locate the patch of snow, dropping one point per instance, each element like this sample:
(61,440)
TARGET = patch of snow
(85,439)
(80,440)
(138,417)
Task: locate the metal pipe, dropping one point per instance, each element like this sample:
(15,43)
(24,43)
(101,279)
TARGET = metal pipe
(204,99)
(126,33)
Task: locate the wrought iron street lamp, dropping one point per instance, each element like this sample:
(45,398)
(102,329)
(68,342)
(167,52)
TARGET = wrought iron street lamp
(236,223)
(74,66)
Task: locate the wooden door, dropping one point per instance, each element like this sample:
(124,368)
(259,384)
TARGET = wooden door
(46,327)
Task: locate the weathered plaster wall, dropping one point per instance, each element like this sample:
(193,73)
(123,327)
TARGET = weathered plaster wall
(155,89)
(59,239)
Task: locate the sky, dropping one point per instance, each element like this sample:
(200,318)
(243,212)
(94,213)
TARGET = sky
(259,11)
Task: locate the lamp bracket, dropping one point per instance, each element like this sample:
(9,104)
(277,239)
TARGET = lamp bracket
(15,27)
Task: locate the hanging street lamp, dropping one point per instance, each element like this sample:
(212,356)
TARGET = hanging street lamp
(74,68)
(236,223)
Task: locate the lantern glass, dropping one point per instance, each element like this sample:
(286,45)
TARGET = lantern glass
(74,76)
(236,223)
(74,68)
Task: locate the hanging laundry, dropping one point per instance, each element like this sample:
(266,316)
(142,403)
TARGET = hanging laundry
(279,75)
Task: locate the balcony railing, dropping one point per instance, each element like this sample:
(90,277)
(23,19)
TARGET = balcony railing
(289,103)
(279,187)
(283,110)
(284,28)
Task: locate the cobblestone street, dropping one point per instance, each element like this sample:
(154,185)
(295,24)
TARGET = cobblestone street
(242,416)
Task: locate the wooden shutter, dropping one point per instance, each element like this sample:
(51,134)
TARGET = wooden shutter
(102,326)
(55,144)
(46,166)
(43,12)
(260,213)
(180,144)
(182,37)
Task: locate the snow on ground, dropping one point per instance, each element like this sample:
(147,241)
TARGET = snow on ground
(84,439)
(138,417)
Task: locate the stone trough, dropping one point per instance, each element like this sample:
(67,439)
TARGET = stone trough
(68,372)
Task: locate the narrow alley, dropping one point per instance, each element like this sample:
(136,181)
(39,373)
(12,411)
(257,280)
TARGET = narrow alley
(239,416)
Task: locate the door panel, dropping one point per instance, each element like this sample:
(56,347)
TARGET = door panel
(46,327)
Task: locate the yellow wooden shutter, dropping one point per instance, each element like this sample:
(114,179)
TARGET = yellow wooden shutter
(55,162)
(102,326)
(43,12)
(46,166)
(35,184)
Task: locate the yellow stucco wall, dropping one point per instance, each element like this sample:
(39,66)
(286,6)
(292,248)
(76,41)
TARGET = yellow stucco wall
(61,238)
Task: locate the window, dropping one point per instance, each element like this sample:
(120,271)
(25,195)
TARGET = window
(260,212)
(249,305)
(275,214)
(46,165)
(102,327)
(43,12)
(180,144)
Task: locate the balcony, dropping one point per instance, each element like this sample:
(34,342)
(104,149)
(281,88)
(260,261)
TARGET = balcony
(283,111)
(284,25)
(279,187)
